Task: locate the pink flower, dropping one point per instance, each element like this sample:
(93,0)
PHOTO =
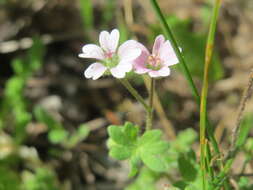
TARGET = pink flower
(110,59)
(156,64)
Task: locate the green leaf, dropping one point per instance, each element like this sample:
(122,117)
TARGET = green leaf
(35,56)
(245,128)
(130,131)
(57,135)
(124,143)
(156,147)
(120,152)
(187,168)
(134,165)
(249,145)
(117,135)
(154,162)
(180,184)
(150,137)
(18,66)
(42,116)
(83,131)
(146,180)
(78,136)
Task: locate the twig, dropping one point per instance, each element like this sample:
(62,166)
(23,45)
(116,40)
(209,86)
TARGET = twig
(235,132)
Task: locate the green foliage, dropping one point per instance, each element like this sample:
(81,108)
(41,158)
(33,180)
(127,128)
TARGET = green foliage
(8,179)
(187,167)
(193,47)
(43,179)
(245,128)
(178,155)
(78,136)
(44,117)
(249,145)
(125,143)
(146,180)
(14,108)
(244,184)
(182,142)
(87,14)
(57,134)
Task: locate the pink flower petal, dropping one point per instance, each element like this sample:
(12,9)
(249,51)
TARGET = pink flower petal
(164,72)
(95,71)
(118,72)
(140,63)
(129,50)
(125,66)
(168,55)
(104,40)
(159,41)
(131,55)
(109,42)
(141,70)
(92,51)
(154,74)
(114,40)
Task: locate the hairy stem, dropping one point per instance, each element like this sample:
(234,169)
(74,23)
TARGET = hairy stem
(135,94)
(167,125)
(149,122)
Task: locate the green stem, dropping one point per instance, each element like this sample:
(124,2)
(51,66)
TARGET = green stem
(149,122)
(204,92)
(185,69)
(135,94)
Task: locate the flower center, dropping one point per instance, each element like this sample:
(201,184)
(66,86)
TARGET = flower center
(109,55)
(154,62)
(111,59)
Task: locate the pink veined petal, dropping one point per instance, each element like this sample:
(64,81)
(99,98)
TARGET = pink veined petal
(164,72)
(109,41)
(95,71)
(114,40)
(129,50)
(140,63)
(141,70)
(127,46)
(130,55)
(125,66)
(118,72)
(154,74)
(167,54)
(92,51)
(159,41)
(104,37)
(171,61)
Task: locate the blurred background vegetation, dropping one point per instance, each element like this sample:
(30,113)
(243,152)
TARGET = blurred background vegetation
(53,121)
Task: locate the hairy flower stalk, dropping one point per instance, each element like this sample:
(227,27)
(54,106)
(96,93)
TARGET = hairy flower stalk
(155,64)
